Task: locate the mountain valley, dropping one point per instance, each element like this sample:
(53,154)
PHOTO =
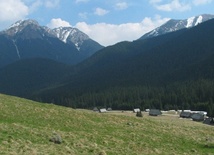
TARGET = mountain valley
(173,70)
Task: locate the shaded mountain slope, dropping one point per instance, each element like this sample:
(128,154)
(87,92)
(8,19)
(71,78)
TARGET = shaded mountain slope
(152,64)
(168,71)
(26,76)
(149,60)
(27,39)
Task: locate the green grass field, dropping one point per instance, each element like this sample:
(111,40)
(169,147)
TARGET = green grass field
(27,126)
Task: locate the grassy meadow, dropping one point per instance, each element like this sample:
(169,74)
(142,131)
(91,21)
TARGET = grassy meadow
(26,127)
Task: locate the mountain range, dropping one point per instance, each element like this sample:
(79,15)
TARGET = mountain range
(174,25)
(27,39)
(171,70)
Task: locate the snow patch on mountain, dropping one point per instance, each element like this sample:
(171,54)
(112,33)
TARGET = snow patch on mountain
(77,46)
(194,21)
(17,50)
(199,20)
(13,29)
(174,25)
(15,26)
(190,22)
(19,26)
(154,33)
(63,33)
(70,35)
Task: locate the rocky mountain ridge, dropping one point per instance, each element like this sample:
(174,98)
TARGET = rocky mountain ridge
(27,39)
(175,25)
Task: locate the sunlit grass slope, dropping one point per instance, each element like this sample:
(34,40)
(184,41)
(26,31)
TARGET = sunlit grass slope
(27,126)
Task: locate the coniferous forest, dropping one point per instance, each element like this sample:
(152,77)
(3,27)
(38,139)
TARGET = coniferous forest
(194,95)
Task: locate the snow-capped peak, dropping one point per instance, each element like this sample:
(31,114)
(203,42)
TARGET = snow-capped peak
(174,25)
(194,21)
(69,34)
(19,25)
(30,29)
(22,23)
(16,24)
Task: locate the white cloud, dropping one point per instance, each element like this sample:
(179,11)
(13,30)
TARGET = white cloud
(35,5)
(115,33)
(12,10)
(100,12)
(83,15)
(201,2)
(121,6)
(174,5)
(58,22)
(51,3)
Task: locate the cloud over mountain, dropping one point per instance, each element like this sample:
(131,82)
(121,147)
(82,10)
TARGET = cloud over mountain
(11,10)
(119,32)
(58,22)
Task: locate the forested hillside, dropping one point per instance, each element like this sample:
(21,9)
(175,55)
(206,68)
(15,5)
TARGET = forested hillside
(172,71)
(26,76)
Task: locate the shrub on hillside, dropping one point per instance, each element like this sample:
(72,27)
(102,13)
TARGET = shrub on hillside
(139,114)
(56,138)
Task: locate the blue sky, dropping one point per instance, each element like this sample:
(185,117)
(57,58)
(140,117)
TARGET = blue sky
(106,21)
